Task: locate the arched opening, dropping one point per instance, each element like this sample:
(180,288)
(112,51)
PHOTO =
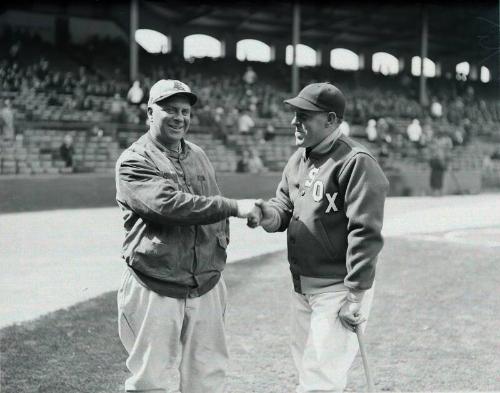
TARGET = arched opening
(344,59)
(485,74)
(253,50)
(462,71)
(429,67)
(306,56)
(385,63)
(152,41)
(201,45)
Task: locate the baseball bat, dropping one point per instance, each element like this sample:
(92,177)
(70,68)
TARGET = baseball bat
(362,349)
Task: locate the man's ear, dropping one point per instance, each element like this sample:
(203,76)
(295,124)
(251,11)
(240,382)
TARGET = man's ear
(332,117)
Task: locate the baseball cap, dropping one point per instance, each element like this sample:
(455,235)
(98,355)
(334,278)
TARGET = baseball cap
(320,97)
(166,88)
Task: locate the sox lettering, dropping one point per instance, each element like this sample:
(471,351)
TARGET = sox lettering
(317,194)
(331,202)
(312,174)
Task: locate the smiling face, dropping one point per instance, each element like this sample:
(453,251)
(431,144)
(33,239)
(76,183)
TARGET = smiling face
(310,127)
(170,119)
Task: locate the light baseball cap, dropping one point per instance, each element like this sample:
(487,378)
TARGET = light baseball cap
(166,88)
(320,97)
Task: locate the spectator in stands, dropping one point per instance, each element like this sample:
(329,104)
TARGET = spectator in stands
(67,151)
(255,164)
(117,108)
(344,128)
(135,94)
(206,117)
(414,132)
(270,133)
(436,109)
(371,130)
(467,127)
(427,133)
(250,76)
(383,131)
(438,165)
(496,154)
(445,142)
(96,131)
(245,122)
(242,166)
(457,137)
(220,128)
(7,121)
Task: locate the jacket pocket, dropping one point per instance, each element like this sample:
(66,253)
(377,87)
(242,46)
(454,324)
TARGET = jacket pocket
(152,256)
(325,239)
(220,254)
(222,240)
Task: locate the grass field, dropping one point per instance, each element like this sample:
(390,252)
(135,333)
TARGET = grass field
(434,327)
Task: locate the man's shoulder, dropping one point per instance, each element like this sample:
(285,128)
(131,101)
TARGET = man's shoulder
(195,148)
(135,150)
(347,147)
(294,159)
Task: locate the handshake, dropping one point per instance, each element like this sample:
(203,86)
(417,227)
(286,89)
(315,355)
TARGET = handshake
(256,211)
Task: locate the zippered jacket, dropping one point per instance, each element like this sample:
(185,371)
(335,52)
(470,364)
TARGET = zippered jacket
(176,230)
(332,203)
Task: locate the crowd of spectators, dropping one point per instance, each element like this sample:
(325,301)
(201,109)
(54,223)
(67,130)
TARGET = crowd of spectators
(236,98)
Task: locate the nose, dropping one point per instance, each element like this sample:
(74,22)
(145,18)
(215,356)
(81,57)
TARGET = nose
(178,116)
(295,122)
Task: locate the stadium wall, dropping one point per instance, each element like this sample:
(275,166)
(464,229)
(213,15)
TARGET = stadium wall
(23,194)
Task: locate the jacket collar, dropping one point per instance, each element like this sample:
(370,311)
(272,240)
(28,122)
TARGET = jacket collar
(323,147)
(169,153)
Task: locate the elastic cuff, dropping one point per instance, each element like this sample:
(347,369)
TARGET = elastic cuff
(355,296)
(275,222)
(233,207)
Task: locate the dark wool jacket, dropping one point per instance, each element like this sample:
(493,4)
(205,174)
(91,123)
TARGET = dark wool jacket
(176,230)
(332,203)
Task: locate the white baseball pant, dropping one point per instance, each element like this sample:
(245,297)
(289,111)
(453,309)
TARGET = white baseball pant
(163,334)
(323,349)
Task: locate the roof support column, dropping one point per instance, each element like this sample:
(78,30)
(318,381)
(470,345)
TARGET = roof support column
(295,42)
(134,53)
(230,46)
(423,55)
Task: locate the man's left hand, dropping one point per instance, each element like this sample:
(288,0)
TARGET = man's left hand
(350,315)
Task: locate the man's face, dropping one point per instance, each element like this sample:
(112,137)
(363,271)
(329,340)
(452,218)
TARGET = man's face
(310,127)
(170,119)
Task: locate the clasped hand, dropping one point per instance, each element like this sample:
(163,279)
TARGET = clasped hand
(256,211)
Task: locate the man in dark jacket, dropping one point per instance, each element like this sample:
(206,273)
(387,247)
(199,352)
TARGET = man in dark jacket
(331,201)
(172,299)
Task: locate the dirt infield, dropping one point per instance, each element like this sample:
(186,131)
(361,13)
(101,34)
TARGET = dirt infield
(434,327)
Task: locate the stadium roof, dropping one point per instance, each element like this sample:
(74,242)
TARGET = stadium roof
(467,30)
(460,29)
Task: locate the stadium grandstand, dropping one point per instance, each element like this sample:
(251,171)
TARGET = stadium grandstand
(74,81)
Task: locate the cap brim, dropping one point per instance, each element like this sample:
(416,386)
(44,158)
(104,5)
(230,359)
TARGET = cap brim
(193,98)
(301,103)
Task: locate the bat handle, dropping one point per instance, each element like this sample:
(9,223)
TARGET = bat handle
(362,349)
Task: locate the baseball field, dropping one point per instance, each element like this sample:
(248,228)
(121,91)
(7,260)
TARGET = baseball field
(434,324)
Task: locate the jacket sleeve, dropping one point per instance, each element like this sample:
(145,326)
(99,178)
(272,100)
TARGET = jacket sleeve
(157,198)
(365,188)
(282,203)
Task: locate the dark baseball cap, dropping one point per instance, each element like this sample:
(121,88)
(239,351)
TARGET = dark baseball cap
(166,88)
(320,97)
